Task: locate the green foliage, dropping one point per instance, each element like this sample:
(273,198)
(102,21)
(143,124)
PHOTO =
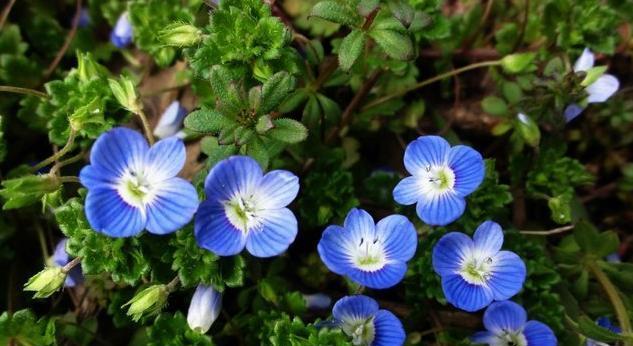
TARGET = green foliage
(27,190)
(421,282)
(278,329)
(15,67)
(24,329)
(172,330)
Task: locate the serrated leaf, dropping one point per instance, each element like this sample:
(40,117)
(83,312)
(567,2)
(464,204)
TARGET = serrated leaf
(274,91)
(350,49)
(257,150)
(395,44)
(207,120)
(335,12)
(23,328)
(293,100)
(288,131)
(593,331)
(225,89)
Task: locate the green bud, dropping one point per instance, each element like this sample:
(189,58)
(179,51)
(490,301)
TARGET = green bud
(262,71)
(88,68)
(517,63)
(593,74)
(147,302)
(125,92)
(528,129)
(46,282)
(560,208)
(27,190)
(180,35)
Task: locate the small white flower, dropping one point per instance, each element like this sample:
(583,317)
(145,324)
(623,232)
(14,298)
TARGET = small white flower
(204,309)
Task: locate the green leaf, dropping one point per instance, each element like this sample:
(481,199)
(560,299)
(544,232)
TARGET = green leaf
(335,12)
(593,331)
(350,49)
(512,92)
(225,89)
(528,129)
(206,120)
(560,208)
(517,63)
(22,328)
(274,91)
(257,150)
(293,100)
(494,105)
(168,329)
(593,74)
(393,38)
(24,191)
(288,131)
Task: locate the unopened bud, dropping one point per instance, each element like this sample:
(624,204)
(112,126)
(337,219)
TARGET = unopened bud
(46,282)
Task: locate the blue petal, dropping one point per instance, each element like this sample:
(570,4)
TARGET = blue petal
(450,252)
(75,277)
(408,191)
(398,237)
(605,322)
(488,238)
(122,33)
(357,307)
(236,174)
(60,256)
(107,213)
(334,250)
(465,296)
(389,330)
(92,177)
(173,206)
(165,159)
(585,61)
(215,232)
(441,210)
(469,169)
(507,275)
(117,150)
(572,111)
(278,231)
(389,275)
(425,151)
(277,189)
(484,337)
(170,121)
(359,224)
(539,334)
(504,316)
(602,89)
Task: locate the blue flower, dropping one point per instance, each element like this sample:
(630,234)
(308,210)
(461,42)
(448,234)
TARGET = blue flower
(60,258)
(132,187)
(245,208)
(604,322)
(474,271)
(204,308)
(373,255)
(360,318)
(599,91)
(84,18)
(121,35)
(506,323)
(170,123)
(441,177)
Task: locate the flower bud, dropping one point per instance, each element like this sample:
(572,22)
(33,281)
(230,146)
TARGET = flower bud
(170,122)
(46,282)
(88,68)
(125,92)
(528,129)
(517,63)
(180,35)
(147,302)
(121,35)
(317,301)
(204,309)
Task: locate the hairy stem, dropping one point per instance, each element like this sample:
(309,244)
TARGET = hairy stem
(614,297)
(146,127)
(72,264)
(59,154)
(69,179)
(69,39)
(24,91)
(549,232)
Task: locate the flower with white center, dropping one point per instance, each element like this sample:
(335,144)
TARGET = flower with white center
(598,91)
(170,123)
(372,255)
(204,309)
(60,258)
(507,325)
(361,319)
(475,271)
(121,35)
(441,177)
(246,208)
(132,187)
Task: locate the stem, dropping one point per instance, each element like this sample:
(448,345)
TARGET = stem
(614,297)
(430,81)
(146,127)
(70,160)
(67,42)
(24,91)
(59,154)
(42,239)
(550,232)
(72,264)
(69,179)
(5,13)
(171,286)
(526,16)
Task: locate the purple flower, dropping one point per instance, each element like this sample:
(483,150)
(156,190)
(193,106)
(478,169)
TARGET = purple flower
(170,123)
(246,208)
(475,271)
(370,254)
(61,258)
(361,319)
(121,35)
(506,323)
(441,178)
(132,187)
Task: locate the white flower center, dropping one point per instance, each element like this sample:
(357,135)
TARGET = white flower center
(362,332)
(477,271)
(510,338)
(135,189)
(369,255)
(436,180)
(242,213)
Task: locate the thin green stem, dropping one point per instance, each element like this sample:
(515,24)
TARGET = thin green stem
(69,179)
(146,127)
(614,297)
(24,91)
(171,286)
(42,239)
(70,265)
(59,154)
(549,232)
(430,81)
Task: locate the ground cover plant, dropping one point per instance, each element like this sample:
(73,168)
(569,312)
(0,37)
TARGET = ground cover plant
(316,172)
